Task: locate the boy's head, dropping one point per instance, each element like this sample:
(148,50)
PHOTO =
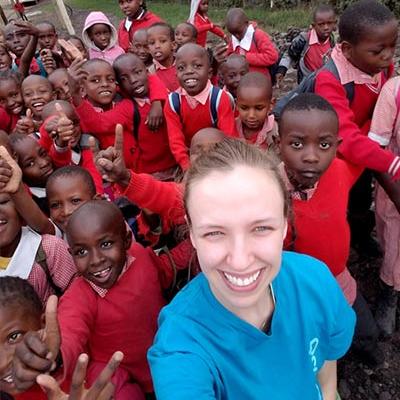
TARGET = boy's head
(368,32)
(237,22)
(192,68)
(185,33)
(131,75)
(34,161)
(203,140)
(36,92)
(308,138)
(98,241)
(59,81)
(47,38)
(67,189)
(254,95)
(5,59)
(10,92)
(232,71)
(99,86)
(20,312)
(324,21)
(140,46)
(161,42)
(16,38)
(132,8)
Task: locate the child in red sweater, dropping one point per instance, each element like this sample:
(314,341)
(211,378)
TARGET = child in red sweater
(137,17)
(319,186)
(255,123)
(140,47)
(161,42)
(113,305)
(232,71)
(10,100)
(250,41)
(195,97)
(199,18)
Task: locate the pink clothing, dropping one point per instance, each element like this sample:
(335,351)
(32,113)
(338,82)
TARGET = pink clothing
(385,129)
(264,138)
(199,98)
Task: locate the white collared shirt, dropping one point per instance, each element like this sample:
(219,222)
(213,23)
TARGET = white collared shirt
(245,43)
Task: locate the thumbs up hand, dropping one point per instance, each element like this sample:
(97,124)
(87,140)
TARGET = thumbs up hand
(111,163)
(25,125)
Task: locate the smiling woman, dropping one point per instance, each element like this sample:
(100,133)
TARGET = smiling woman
(255,324)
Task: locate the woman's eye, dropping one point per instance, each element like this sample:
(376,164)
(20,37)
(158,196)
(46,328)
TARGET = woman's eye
(213,234)
(262,228)
(14,337)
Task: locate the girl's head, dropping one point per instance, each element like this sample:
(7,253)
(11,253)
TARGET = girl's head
(10,92)
(67,189)
(100,86)
(5,59)
(185,33)
(237,22)
(308,132)
(20,312)
(140,46)
(10,226)
(16,38)
(47,38)
(99,31)
(37,92)
(232,71)
(131,75)
(254,95)
(236,209)
(132,8)
(368,33)
(192,68)
(34,161)
(59,81)
(203,7)
(161,42)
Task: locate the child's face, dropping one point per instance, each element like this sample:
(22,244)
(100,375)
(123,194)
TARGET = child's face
(203,7)
(308,142)
(100,35)
(183,35)
(10,97)
(374,52)
(132,77)
(99,250)
(16,39)
(140,46)
(10,226)
(100,86)
(34,161)
(130,7)
(237,28)
(232,73)
(66,194)
(37,92)
(14,323)
(78,44)
(324,24)
(253,105)
(161,46)
(192,69)
(5,60)
(59,81)
(47,36)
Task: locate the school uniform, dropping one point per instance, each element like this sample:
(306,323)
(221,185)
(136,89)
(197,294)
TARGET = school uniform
(167,75)
(204,25)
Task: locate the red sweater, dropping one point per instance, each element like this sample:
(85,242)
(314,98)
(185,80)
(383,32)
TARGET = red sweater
(354,122)
(125,319)
(168,78)
(262,52)
(125,37)
(320,224)
(203,24)
(182,128)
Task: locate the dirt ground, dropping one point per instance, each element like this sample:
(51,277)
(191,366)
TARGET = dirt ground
(356,380)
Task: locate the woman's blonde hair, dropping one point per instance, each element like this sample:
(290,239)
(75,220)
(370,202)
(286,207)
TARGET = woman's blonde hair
(225,156)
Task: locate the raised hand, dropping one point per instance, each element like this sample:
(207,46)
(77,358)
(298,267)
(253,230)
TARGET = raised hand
(49,63)
(110,162)
(26,27)
(25,125)
(37,352)
(75,76)
(64,128)
(102,388)
(220,52)
(10,172)
(70,51)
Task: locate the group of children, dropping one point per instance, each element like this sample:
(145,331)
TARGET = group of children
(97,132)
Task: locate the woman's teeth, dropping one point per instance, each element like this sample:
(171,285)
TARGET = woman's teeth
(242,281)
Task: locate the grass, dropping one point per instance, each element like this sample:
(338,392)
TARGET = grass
(175,13)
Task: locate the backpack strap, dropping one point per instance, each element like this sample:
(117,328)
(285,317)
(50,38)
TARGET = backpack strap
(348,87)
(174,99)
(40,258)
(215,99)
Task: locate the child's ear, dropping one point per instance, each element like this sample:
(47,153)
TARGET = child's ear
(347,49)
(128,239)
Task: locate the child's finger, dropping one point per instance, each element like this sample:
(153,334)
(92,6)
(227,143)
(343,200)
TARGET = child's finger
(52,329)
(29,113)
(16,176)
(93,145)
(119,138)
(60,110)
(50,386)
(78,377)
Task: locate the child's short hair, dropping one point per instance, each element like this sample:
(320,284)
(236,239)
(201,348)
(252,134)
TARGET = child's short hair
(75,37)
(191,27)
(358,18)
(11,75)
(255,80)
(168,27)
(16,137)
(95,61)
(15,291)
(323,8)
(307,102)
(73,171)
(53,27)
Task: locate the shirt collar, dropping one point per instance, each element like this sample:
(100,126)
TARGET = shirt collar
(158,66)
(201,97)
(246,41)
(313,39)
(142,101)
(263,134)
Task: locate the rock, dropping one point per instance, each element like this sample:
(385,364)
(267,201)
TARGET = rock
(385,396)
(344,390)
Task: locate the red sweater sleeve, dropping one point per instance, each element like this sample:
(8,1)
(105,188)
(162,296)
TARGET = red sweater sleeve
(264,53)
(355,147)
(216,30)
(226,118)
(157,90)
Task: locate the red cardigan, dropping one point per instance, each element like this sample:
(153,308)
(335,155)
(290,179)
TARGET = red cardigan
(321,227)
(125,37)
(125,319)
(203,24)
(182,128)
(168,78)
(262,52)
(354,122)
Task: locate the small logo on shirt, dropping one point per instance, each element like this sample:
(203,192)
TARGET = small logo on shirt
(312,350)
